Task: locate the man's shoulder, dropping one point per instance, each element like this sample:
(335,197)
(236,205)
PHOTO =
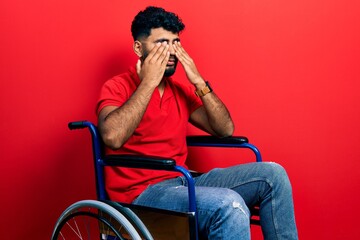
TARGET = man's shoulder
(127,78)
(130,74)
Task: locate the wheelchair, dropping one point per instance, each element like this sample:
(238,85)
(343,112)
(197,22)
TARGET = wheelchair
(104,219)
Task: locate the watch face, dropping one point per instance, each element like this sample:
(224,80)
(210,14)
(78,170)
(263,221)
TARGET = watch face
(207,89)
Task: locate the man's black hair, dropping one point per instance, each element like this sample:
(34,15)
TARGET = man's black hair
(155,17)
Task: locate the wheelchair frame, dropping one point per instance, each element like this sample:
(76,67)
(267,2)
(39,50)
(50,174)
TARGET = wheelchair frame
(145,162)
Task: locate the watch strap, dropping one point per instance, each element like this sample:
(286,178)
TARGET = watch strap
(202,92)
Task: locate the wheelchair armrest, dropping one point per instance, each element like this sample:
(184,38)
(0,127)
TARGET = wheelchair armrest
(226,142)
(77,125)
(215,141)
(154,163)
(133,161)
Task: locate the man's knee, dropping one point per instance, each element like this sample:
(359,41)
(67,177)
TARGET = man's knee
(277,175)
(234,202)
(230,216)
(227,203)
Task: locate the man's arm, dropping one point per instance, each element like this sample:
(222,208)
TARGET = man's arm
(117,124)
(213,116)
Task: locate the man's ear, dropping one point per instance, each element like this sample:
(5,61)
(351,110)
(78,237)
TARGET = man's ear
(138,48)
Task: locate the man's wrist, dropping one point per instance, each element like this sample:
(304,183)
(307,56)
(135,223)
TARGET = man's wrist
(203,89)
(200,85)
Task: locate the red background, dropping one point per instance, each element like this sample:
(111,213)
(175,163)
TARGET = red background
(288,71)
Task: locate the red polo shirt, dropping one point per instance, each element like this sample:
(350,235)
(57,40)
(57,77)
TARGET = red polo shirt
(161,132)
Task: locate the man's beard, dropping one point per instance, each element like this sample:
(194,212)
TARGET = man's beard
(170,70)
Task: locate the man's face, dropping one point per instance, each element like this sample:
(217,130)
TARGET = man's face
(162,35)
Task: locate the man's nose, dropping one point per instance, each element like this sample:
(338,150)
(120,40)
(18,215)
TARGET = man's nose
(171,49)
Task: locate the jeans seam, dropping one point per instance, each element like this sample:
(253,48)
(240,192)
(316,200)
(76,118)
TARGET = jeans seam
(273,203)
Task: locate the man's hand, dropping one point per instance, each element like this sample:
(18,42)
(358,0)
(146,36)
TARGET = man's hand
(189,66)
(152,69)
(117,124)
(213,116)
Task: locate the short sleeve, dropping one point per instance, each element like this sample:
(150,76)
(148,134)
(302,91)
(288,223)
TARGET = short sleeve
(114,92)
(194,102)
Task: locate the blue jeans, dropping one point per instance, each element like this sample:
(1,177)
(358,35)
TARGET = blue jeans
(224,196)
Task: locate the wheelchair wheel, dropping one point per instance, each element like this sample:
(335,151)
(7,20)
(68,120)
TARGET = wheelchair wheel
(90,219)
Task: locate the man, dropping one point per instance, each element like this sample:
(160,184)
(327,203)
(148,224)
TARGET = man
(144,111)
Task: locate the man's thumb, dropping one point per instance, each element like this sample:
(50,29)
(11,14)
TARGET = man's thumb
(138,67)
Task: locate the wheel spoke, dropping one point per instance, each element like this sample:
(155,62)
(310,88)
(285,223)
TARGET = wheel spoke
(77,232)
(91,219)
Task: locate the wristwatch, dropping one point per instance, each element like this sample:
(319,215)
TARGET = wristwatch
(202,92)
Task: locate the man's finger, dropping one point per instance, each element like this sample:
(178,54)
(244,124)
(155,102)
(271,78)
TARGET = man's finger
(180,52)
(166,58)
(161,52)
(153,51)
